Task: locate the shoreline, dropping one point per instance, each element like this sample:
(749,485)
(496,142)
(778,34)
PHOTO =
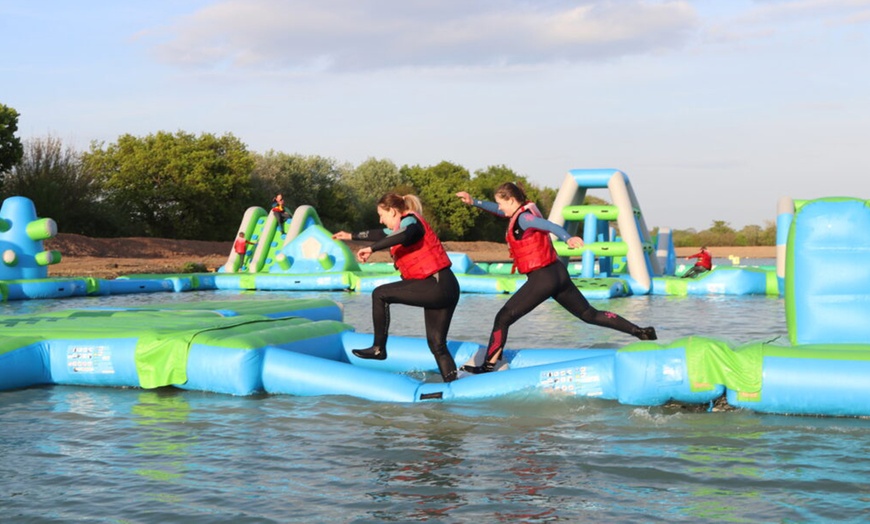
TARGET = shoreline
(83,256)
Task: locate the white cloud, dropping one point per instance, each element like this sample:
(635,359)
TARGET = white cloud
(761,21)
(353,35)
(827,11)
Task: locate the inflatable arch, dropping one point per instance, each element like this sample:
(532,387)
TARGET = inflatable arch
(636,244)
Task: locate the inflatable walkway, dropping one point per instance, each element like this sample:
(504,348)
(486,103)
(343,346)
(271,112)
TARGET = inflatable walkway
(302,348)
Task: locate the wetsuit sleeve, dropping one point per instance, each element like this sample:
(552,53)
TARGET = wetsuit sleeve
(489,207)
(527,220)
(372,235)
(409,233)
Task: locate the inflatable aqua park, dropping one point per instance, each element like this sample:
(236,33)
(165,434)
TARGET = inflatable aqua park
(302,347)
(302,256)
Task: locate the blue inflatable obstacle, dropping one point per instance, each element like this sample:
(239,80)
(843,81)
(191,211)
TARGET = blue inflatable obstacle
(298,347)
(720,280)
(301,347)
(827,302)
(216,346)
(25,264)
(827,278)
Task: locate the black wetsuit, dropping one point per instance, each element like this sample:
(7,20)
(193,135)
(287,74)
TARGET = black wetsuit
(437,295)
(549,281)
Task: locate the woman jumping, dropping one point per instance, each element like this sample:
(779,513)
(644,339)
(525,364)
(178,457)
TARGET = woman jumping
(427,280)
(528,238)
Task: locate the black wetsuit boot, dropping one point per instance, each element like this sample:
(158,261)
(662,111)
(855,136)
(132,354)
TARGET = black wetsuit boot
(486,367)
(446,365)
(647,333)
(372,353)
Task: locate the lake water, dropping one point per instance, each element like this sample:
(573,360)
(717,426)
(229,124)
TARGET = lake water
(71,454)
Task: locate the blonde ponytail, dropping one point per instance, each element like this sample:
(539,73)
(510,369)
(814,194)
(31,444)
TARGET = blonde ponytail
(413,204)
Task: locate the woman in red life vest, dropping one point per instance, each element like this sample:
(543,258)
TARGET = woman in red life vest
(427,280)
(528,237)
(704,263)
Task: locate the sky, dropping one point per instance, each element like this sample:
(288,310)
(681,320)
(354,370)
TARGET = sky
(715,109)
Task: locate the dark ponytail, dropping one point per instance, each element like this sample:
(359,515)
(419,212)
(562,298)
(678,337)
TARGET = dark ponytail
(511,190)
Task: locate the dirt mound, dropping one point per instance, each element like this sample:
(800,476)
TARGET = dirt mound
(71,245)
(83,256)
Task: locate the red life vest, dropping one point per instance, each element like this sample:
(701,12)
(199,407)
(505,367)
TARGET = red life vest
(705,260)
(535,249)
(422,259)
(241,246)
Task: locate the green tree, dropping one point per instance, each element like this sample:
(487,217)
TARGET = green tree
(367,183)
(11,149)
(487,226)
(175,185)
(305,180)
(720,234)
(748,236)
(52,177)
(768,234)
(437,187)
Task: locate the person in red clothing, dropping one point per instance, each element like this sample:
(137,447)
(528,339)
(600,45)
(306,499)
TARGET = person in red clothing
(240,246)
(704,263)
(528,237)
(279,211)
(427,280)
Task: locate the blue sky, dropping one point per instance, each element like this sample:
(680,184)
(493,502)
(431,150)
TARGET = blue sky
(715,109)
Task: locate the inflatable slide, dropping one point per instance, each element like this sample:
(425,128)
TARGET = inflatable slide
(262,228)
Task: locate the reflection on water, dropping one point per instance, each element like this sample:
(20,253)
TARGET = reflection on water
(167,455)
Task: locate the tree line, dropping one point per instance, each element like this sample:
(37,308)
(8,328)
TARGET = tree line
(186,186)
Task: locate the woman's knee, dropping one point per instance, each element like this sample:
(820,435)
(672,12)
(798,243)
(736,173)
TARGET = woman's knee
(503,320)
(381,294)
(437,345)
(589,315)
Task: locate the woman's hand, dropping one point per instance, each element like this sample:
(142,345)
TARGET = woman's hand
(341,235)
(465,197)
(575,242)
(363,254)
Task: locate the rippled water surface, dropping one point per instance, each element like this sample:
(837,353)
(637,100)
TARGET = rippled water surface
(72,454)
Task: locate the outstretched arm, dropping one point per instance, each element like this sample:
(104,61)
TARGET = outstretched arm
(489,207)
(408,234)
(371,235)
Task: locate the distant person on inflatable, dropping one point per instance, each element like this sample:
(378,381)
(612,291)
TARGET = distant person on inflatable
(528,238)
(240,246)
(427,280)
(704,263)
(279,211)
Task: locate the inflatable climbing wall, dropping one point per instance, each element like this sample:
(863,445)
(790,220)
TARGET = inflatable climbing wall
(827,273)
(636,244)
